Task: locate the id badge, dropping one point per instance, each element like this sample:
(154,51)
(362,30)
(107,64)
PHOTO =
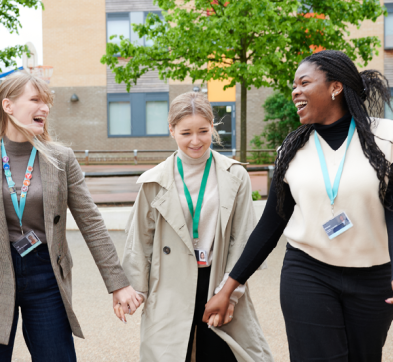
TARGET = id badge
(202,256)
(337,225)
(27,243)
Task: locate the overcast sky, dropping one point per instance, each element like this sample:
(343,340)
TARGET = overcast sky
(31,21)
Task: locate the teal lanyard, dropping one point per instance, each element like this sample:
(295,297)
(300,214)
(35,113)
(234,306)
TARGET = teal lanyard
(332,191)
(11,184)
(195,216)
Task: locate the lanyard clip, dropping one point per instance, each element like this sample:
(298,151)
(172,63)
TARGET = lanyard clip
(333,210)
(21,229)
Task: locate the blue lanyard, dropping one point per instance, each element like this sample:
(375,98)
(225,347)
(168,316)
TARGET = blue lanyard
(11,184)
(332,191)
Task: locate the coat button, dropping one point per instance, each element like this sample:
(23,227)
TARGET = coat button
(167,250)
(56,219)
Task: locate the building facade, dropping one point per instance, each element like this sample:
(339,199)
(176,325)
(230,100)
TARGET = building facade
(106,116)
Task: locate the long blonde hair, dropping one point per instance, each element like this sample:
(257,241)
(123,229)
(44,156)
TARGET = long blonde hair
(189,104)
(12,88)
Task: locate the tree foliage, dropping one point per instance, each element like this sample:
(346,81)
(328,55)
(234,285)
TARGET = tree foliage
(9,18)
(282,116)
(251,42)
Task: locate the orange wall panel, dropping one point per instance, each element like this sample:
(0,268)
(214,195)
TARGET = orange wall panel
(216,93)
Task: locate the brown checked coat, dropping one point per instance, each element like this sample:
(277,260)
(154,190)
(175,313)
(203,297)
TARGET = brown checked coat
(170,279)
(61,188)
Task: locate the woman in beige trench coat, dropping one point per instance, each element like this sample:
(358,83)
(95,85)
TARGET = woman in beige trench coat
(161,259)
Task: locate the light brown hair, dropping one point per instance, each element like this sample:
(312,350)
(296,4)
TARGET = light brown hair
(12,88)
(189,104)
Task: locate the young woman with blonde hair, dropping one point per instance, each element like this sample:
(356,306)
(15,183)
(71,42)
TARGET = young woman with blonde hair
(188,227)
(40,179)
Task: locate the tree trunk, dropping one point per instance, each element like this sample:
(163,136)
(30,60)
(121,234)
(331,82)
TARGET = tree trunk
(243,122)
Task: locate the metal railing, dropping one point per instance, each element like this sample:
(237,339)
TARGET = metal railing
(269,169)
(136,151)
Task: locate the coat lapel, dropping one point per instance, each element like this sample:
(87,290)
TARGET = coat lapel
(3,224)
(228,187)
(49,178)
(168,205)
(167,201)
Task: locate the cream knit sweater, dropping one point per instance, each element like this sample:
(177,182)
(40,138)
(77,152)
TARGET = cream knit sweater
(366,243)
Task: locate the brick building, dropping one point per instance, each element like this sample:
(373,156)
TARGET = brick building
(106,117)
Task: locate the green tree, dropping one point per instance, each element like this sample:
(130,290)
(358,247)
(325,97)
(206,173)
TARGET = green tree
(250,42)
(9,14)
(282,116)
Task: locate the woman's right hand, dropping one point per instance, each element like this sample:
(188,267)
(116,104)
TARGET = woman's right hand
(213,320)
(126,301)
(219,303)
(216,308)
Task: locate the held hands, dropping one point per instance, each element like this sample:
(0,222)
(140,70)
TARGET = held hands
(218,310)
(126,301)
(214,319)
(390,300)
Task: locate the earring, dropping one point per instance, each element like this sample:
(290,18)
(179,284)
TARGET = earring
(333,97)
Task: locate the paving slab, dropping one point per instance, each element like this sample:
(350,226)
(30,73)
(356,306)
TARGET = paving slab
(109,340)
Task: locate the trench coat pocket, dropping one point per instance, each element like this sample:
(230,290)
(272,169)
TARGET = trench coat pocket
(65,266)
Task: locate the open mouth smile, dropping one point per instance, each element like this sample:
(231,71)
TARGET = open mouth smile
(300,105)
(39,119)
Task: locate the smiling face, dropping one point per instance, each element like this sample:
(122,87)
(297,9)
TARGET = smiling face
(29,109)
(312,95)
(193,135)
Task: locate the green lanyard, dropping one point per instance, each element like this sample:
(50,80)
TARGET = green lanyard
(195,216)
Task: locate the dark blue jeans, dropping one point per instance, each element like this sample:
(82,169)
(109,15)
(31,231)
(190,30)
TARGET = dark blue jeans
(334,314)
(46,329)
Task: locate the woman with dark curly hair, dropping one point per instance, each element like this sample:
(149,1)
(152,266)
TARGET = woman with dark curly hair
(332,196)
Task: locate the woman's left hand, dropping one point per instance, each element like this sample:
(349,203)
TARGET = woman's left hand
(126,301)
(390,300)
(213,320)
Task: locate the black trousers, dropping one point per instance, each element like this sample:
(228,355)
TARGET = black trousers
(334,314)
(209,346)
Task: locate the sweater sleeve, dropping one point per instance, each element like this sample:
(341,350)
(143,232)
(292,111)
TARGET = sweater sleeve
(236,294)
(389,224)
(265,236)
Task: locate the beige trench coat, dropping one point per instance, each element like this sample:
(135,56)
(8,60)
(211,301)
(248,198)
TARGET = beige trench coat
(61,188)
(157,221)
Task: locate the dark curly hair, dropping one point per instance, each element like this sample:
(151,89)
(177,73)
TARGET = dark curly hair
(365,94)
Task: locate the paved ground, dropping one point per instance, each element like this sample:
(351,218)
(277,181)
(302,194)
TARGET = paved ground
(109,340)
(125,189)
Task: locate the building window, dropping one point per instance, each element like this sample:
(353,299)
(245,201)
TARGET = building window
(120,24)
(119,118)
(389,27)
(138,114)
(156,117)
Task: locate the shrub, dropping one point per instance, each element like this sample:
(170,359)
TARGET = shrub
(282,116)
(256,196)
